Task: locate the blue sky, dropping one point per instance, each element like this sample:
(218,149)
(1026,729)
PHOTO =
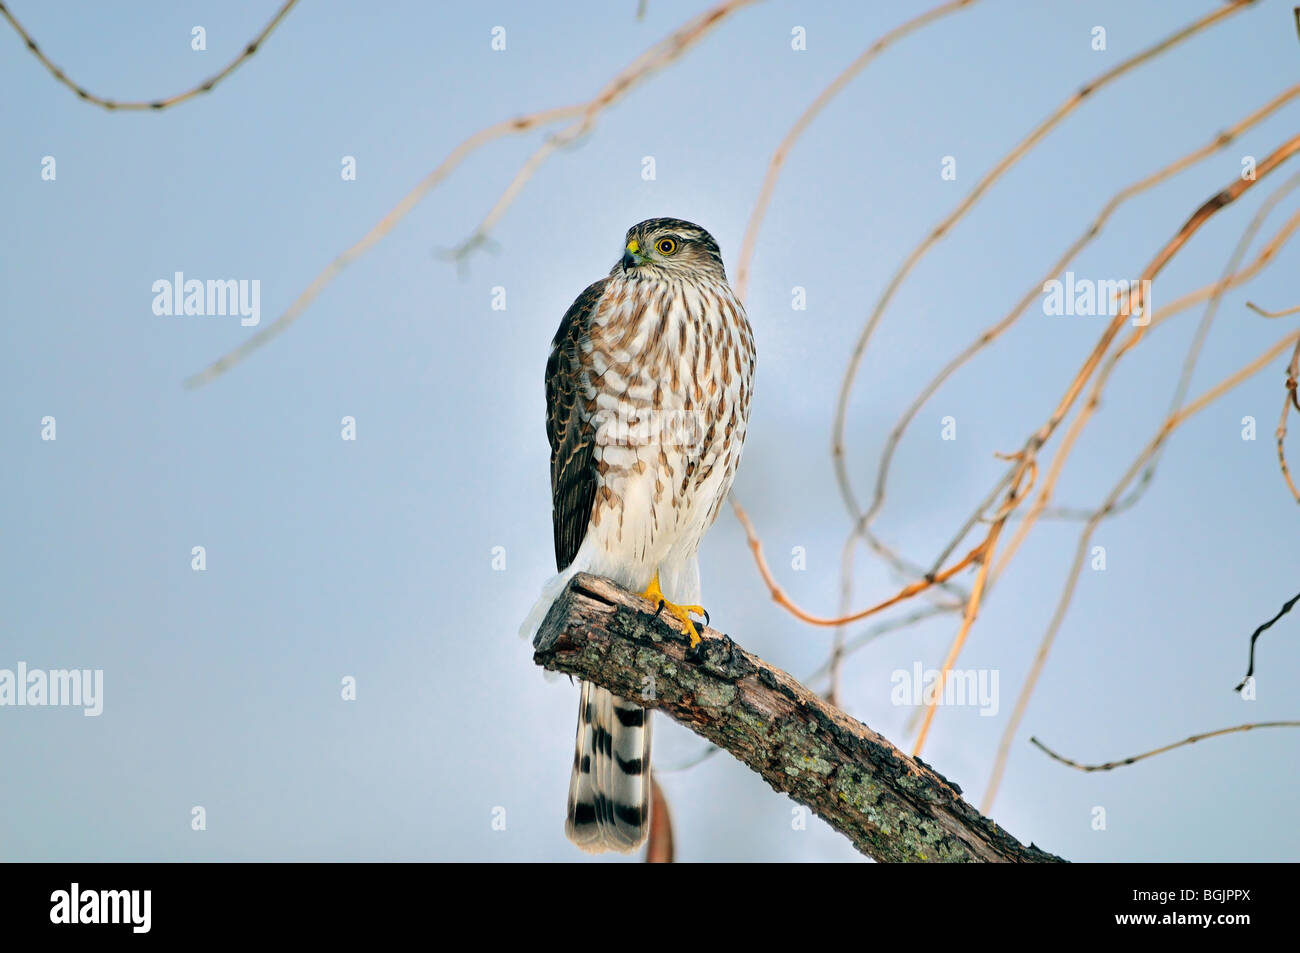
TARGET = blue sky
(373,558)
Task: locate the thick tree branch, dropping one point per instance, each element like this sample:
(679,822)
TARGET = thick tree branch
(892,807)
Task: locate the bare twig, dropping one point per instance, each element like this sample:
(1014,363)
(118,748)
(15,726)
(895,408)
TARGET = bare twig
(890,806)
(805,120)
(836,664)
(1250,670)
(1045,646)
(873,632)
(1221,141)
(148,104)
(967,620)
(1272,314)
(1110,765)
(1288,400)
(1198,218)
(656,57)
(1132,302)
(779,596)
(649,62)
(1004,164)
(863,518)
(1094,398)
(1230,279)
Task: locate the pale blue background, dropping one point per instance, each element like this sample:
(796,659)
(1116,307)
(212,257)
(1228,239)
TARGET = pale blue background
(373,558)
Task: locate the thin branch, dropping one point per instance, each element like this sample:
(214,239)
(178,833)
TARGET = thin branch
(843,646)
(967,620)
(779,596)
(835,666)
(1045,645)
(1231,278)
(863,520)
(1132,302)
(649,62)
(1110,765)
(1094,398)
(1250,670)
(1289,399)
(1003,165)
(705,754)
(891,807)
(801,124)
(1211,292)
(372,237)
(901,565)
(1134,296)
(873,632)
(657,56)
(1221,141)
(155,105)
(1272,314)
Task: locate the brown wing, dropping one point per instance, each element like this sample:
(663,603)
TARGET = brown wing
(573,471)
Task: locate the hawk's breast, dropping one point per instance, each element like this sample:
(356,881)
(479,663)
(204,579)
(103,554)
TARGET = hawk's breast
(668,374)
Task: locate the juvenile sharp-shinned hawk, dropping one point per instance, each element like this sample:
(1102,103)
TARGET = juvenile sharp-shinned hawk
(647,398)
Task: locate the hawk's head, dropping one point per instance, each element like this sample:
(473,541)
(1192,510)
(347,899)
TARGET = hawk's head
(669,247)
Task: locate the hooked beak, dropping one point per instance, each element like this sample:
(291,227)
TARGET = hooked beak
(631,255)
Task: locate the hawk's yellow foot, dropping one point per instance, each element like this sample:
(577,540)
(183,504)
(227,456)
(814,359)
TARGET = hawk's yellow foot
(655,594)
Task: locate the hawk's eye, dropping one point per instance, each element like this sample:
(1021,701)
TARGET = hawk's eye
(666,246)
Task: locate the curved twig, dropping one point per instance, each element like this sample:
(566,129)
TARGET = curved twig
(779,596)
(1272,314)
(1094,398)
(1080,553)
(1221,141)
(1003,165)
(155,105)
(653,59)
(1132,303)
(1230,278)
(1110,765)
(967,620)
(1292,376)
(805,119)
(657,56)
(863,518)
(1286,607)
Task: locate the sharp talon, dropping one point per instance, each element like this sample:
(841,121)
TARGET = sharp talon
(683,613)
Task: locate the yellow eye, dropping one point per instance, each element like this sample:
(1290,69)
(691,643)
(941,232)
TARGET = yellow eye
(666,246)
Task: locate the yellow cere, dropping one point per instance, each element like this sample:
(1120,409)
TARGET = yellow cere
(633,247)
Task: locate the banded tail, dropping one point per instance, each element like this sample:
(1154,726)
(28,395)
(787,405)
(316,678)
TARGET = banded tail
(609,791)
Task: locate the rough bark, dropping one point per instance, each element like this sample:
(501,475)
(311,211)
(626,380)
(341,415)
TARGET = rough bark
(890,806)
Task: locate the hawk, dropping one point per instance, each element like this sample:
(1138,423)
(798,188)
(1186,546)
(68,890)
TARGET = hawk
(648,388)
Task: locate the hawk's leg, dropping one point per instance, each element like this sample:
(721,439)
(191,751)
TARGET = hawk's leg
(655,594)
